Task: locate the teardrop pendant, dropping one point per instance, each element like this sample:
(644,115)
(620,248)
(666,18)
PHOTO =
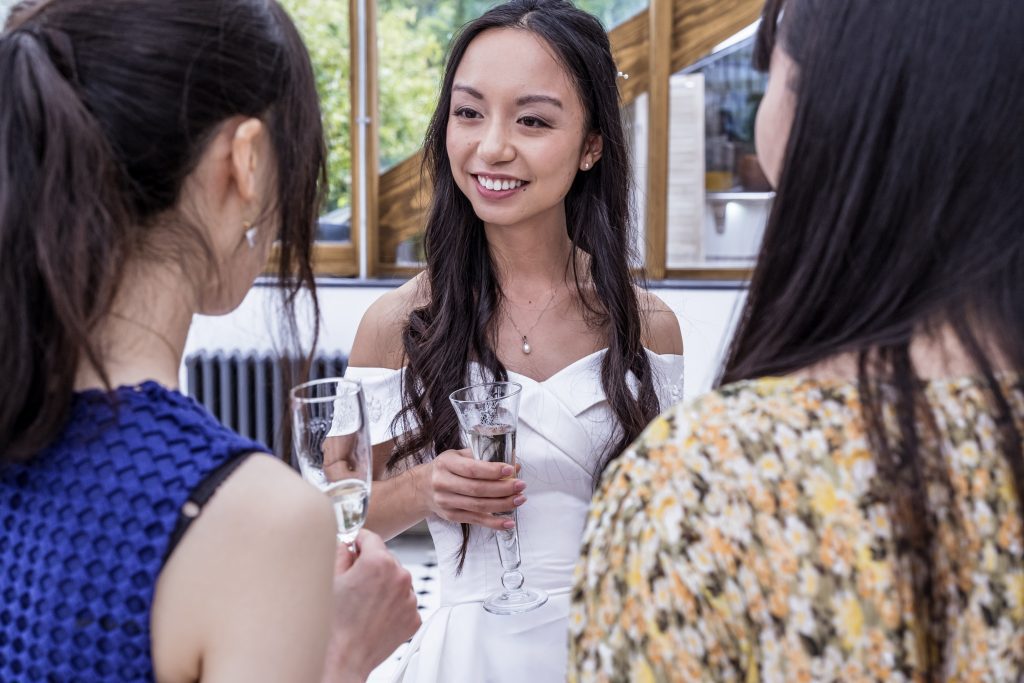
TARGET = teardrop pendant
(526,347)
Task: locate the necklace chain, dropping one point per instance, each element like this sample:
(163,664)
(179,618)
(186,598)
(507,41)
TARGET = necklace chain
(527,349)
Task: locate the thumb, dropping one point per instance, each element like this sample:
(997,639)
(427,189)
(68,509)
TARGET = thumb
(370,543)
(343,559)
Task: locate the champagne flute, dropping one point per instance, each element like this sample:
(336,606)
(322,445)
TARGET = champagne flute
(488,414)
(331,439)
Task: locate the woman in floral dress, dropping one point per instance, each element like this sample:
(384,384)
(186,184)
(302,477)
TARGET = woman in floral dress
(846,506)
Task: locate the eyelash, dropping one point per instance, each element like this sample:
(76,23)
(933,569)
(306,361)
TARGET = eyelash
(462,112)
(540,123)
(528,121)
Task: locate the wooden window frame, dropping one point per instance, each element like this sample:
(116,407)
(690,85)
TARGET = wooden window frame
(649,47)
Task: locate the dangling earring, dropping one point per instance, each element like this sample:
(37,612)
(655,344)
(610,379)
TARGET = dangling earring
(250,234)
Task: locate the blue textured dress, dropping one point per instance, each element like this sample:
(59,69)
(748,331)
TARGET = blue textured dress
(86,527)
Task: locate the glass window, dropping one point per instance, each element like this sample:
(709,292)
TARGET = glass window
(324,25)
(718,196)
(612,12)
(418,32)
(412,38)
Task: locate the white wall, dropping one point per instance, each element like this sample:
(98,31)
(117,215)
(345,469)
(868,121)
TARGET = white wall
(706,316)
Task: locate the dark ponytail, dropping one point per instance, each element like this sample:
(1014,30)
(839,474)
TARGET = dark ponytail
(62,235)
(106,108)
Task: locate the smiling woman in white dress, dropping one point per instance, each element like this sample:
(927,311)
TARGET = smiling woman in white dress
(528,279)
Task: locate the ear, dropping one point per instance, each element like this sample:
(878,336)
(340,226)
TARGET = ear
(248,158)
(592,148)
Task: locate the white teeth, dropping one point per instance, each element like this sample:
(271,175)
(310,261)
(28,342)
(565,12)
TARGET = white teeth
(496,184)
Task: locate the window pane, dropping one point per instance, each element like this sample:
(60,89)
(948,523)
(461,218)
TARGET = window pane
(324,27)
(718,196)
(612,12)
(413,38)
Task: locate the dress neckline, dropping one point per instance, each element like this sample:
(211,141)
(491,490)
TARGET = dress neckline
(149,387)
(582,361)
(668,357)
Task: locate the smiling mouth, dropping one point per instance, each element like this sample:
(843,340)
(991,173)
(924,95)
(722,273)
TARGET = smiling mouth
(499,184)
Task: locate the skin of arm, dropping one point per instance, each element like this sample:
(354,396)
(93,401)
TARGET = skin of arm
(250,594)
(453,485)
(247,593)
(660,325)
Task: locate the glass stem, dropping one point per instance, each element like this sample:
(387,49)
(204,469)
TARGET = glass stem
(508,552)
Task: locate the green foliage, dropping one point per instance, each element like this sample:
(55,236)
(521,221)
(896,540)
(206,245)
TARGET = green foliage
(410,57)
(324,27)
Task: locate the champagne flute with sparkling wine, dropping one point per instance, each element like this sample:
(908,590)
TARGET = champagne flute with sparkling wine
(331,439)
(488,414)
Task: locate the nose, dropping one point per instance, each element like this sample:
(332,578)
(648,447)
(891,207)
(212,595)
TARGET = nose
(495,147)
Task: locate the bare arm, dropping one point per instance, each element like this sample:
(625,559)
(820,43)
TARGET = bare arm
(452,485)
(397,501)
(246,595)
(256,592)
(659,324)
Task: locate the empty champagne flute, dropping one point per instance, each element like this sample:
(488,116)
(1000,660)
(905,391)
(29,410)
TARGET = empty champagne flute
(488,414)
(331,439)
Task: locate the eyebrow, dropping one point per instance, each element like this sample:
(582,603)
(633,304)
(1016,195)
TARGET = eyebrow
(520,102)
(539,99)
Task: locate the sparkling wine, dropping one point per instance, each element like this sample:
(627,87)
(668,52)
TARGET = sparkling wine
(494,443)
(349,497)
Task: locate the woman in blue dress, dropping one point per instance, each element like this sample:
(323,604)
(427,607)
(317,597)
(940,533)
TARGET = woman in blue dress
(150,154)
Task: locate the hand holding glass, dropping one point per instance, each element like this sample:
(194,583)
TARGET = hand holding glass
(331,439)
(488,414)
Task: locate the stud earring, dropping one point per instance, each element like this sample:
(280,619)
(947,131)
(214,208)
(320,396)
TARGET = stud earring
(250,234)
(586,165)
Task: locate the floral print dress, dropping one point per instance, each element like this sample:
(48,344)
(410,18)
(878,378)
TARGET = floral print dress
(737,540)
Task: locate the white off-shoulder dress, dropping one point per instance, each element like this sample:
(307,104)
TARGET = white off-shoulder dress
(565,426)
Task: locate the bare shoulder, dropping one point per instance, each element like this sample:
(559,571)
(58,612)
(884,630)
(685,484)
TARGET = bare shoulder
(660,324)
(261,478)
(224,583)
(378,342)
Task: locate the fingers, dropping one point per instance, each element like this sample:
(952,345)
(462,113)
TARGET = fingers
(474,505)
(465,490)
(461,462)
(496,522)
(343,558)
(409,620)
(447,483)
(369,542)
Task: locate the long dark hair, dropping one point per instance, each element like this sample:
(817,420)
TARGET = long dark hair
(106,108)
(464,290)
(899,210)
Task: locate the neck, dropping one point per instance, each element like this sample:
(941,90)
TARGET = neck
(531,257)
(936,353)
(143,337)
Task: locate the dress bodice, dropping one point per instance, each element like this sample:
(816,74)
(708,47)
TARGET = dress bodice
(87,524)
(566,428)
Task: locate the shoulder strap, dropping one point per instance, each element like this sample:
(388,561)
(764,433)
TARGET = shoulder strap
(200,496)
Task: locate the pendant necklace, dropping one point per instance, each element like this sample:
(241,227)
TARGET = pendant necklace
(526,348)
